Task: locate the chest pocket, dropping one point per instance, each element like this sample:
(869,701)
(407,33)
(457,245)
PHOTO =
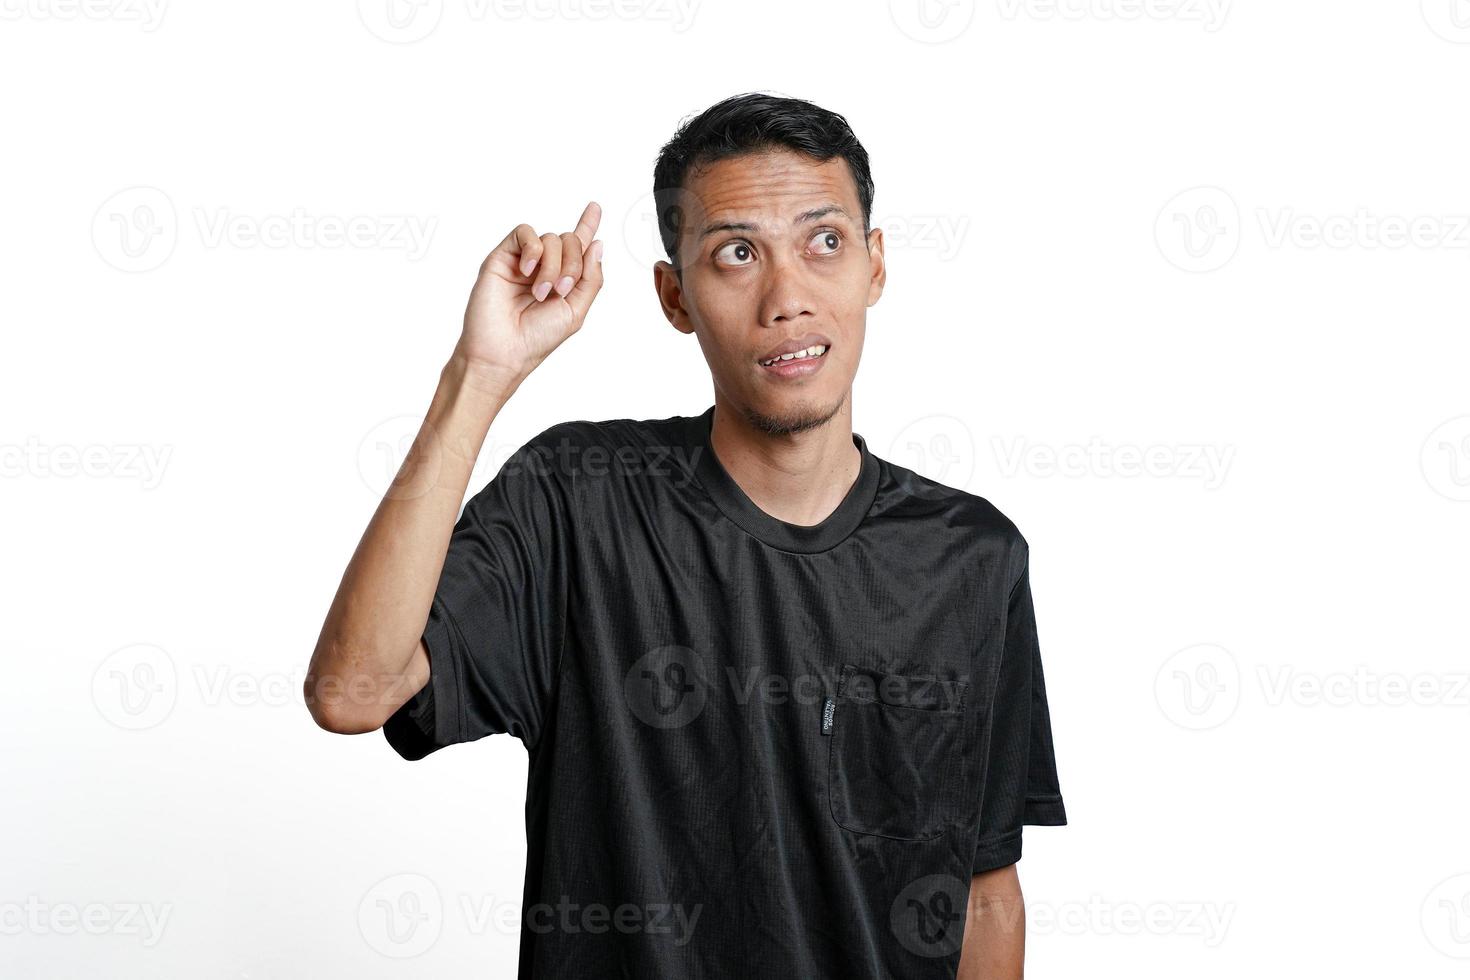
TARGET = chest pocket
(894,766)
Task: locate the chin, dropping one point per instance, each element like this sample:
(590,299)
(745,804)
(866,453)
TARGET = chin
(793,415)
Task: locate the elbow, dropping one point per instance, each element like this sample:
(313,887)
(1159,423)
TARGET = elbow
(328,717)
(333,710)
(339,720)
(339,724)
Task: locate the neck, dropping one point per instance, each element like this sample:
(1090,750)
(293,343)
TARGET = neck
(798,478)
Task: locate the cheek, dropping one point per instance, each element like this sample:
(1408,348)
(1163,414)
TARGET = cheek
(723,326)
(720,341)
(845,293)
(849,312)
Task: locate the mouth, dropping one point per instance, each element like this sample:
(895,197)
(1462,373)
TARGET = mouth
(796,364)
(815,350)
(797,357)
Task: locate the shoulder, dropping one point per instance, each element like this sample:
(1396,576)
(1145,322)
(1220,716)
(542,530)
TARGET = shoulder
(581,448)
(610,433)
(908,494)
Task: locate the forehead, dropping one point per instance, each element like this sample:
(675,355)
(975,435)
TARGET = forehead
(771,187)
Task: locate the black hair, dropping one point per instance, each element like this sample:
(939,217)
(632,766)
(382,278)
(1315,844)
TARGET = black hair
(752,122)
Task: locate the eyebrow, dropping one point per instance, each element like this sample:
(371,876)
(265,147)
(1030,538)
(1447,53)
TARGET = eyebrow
(803,218)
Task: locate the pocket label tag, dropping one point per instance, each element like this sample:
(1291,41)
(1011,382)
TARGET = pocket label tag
(829,708)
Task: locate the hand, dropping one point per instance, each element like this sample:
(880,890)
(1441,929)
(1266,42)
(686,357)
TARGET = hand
(532,293)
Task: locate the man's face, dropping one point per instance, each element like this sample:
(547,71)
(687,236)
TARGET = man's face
(774,260)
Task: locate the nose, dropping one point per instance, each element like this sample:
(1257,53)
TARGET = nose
(787,296)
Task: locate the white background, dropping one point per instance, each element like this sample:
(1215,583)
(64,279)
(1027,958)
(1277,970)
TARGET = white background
(1228,239)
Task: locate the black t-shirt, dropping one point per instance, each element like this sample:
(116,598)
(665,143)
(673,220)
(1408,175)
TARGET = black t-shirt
(755,748)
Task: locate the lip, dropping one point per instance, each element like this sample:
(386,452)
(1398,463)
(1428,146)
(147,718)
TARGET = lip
(788,370)
(795,344)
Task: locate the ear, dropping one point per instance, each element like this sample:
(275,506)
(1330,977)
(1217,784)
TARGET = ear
(878,266)
(671,296)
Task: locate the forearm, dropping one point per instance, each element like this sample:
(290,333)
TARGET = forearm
(995,928)
(357,676)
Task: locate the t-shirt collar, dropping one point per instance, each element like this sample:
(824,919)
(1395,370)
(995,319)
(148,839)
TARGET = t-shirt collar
(728,496)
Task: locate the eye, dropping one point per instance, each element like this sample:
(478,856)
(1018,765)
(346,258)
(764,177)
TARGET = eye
(829,237)
(735,253)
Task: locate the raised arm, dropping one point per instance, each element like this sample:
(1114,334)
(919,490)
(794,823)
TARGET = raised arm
(532,292)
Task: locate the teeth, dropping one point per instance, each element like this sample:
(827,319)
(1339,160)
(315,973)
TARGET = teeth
(816,350)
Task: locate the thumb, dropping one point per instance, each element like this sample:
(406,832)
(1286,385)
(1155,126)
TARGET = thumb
(586,290)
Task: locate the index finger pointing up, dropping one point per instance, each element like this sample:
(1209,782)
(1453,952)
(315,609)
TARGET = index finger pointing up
(586,228)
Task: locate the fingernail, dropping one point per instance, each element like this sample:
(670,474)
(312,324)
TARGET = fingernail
(564,285)
(597,251)
(541,290)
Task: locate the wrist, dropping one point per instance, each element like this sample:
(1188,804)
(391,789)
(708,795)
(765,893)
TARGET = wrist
(465,404)
(490,381)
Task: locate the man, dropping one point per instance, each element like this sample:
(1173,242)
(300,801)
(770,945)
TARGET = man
(782,699)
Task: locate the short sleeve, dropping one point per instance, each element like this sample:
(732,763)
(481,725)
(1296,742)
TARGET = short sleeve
(496,625)
(1021,784)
